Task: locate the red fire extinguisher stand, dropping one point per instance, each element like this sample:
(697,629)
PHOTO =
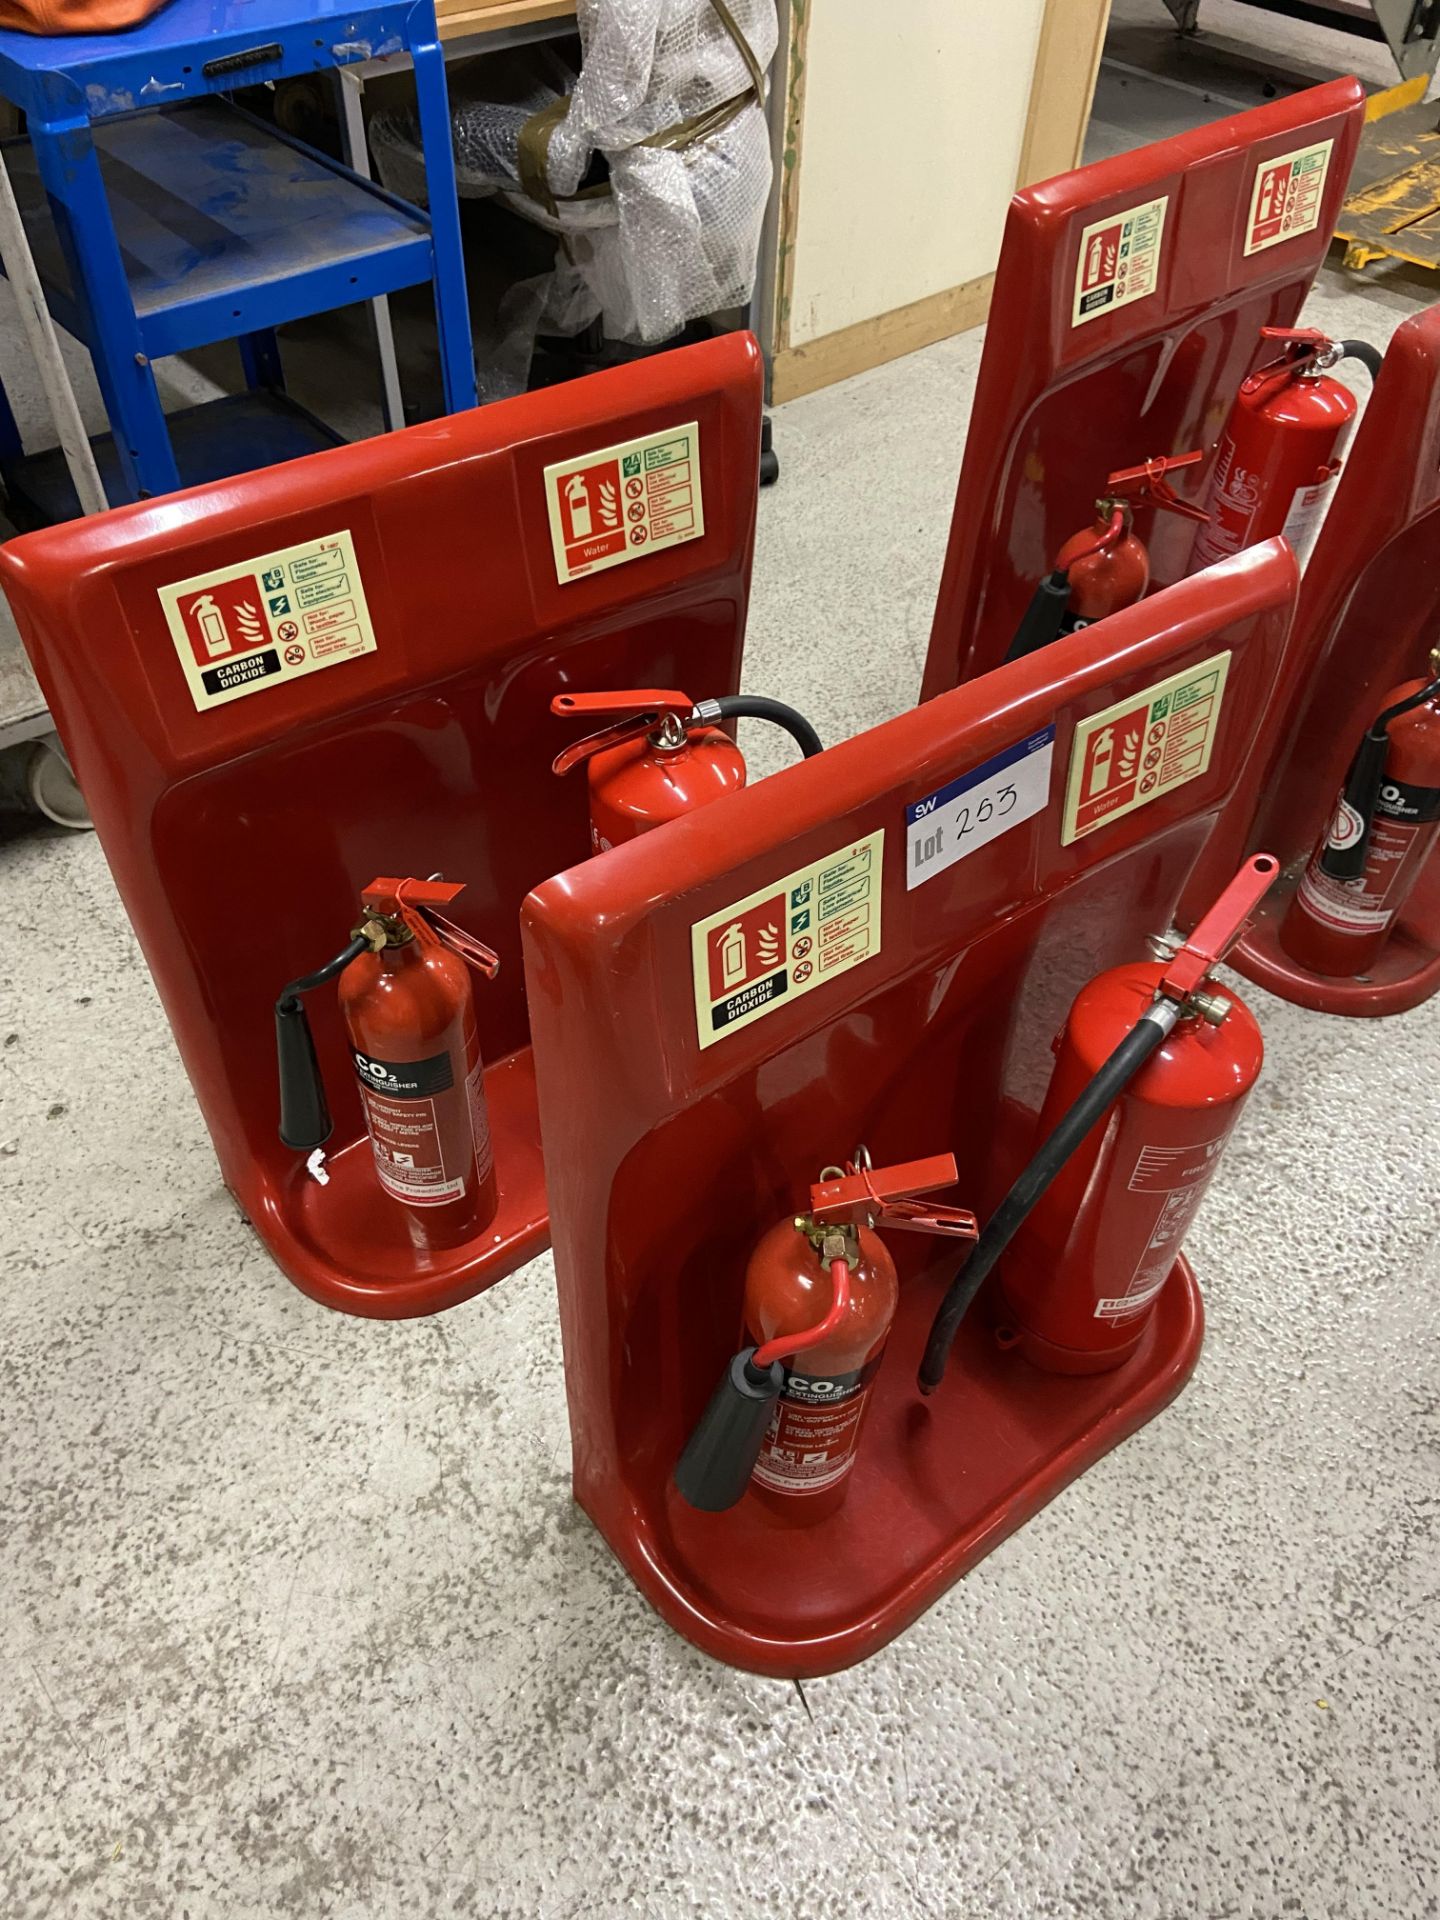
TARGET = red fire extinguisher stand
(1368,615)
(276,688)
(1127,309)
(877,947)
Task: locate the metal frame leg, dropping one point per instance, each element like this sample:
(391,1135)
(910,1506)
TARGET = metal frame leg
(260,360)
(44,344)
(355,152)
(70,170)
(452,302)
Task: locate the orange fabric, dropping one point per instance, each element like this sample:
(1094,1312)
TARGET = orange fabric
(75,16)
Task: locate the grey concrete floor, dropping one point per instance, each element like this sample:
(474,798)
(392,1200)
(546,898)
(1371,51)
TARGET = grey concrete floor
(297,1618)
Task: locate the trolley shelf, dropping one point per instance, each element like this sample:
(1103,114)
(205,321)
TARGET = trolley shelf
(212,441)
(226,226)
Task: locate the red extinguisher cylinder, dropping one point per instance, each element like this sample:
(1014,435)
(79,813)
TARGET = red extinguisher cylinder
(409,1012)
(643,783)
(1279,453)
(810,1445)
(1339,919)
(1105,572)
(1082,1277)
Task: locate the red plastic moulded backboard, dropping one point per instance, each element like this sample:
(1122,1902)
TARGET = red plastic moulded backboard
(683,1116)
(407,607)
(1368,615)
(1127,309)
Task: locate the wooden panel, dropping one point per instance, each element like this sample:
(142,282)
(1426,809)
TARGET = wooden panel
(870,343)
(1072,35)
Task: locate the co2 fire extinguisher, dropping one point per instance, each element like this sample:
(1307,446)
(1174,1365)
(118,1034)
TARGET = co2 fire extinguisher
(409,1012)
(1152,1069)
(665,756)
(820,1299)
(1382,831)
(1105,566)
(1280,451)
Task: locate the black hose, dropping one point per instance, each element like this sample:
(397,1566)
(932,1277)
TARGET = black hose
(756,706)
(304,1114)
(1112,1079)
(1371,358)
(290,996)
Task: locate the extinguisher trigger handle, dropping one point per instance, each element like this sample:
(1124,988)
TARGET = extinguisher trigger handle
(1149,482)
(641,711)
(886,1194)
(1218,930)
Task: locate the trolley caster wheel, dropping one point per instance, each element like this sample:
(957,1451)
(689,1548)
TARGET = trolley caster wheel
(769,459)
(35,777)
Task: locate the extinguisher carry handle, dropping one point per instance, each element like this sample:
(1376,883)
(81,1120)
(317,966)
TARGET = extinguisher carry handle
(1218,930)
(1150,483)
(642,708)
(885,1193)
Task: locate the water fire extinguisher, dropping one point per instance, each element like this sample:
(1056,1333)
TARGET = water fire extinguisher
(409,1012)
(820,1299)
(1152,1069)
(1280,451)
(1105,566)
(666,755)
(1382,831)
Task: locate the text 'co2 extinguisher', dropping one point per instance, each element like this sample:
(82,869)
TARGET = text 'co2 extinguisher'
(1152,1069)
(820,1299)
(665,755)
(1280,451)
(1105,566)
(1383,830)
(409,1013)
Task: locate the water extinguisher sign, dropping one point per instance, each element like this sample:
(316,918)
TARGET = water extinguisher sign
(622,502)
(266,621)
(786,939)
(1143,747)
(1287,196)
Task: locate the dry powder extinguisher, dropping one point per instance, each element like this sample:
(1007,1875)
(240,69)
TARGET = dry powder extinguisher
(1152,1070)
(1280,451)
(1370,856)
(409,1013)
(665,755)
(820,1299)
(1105,566)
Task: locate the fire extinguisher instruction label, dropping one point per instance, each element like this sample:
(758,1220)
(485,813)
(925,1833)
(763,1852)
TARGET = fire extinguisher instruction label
(238,630)
(1143,747)
(968,813)
(625,501)
(1178,1177)
(786,939)
(1119,260)
(811,1440)
(404,1130)
(1287,196)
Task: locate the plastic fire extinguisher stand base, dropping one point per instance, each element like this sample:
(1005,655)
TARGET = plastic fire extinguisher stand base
(1404,975)
(350,1244)
(936,1486)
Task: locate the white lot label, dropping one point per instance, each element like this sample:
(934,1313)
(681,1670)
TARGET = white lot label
(1143,747)
(624,502)
(787,938)
(242,629)
(970,812)
(1286,198)
(1119,260)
